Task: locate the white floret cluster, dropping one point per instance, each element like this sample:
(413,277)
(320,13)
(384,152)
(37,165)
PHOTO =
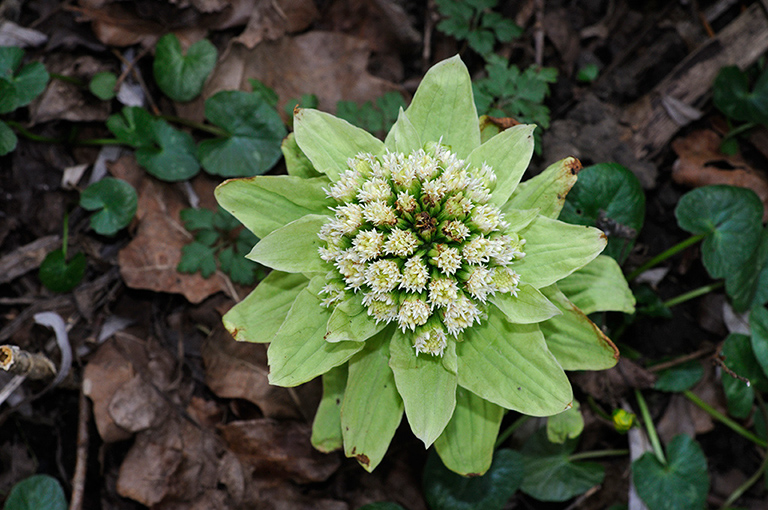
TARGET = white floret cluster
(416,235)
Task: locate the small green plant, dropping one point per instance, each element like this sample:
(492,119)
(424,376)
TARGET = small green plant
(218,238)
(102,85)
(38,492)
(732,95)
(61,273)
(415,271)
(182,76)
(19,85)
(374,118)
(474,21)
(116,202)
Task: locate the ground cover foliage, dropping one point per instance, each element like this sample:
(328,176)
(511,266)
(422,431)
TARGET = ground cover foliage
(117,122)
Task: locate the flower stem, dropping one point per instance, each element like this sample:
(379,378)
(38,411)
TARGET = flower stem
(69,79)
(65,236)
(682,298)
(741,489)
(714,413)
(661,257)
(652,435)
(30,135)
(597,453)
(195,125)
(510,430)
(737,131)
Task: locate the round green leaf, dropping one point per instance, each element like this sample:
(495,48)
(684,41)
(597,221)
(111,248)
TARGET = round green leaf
(59,275)
(19,88)
(732,96)
(172,155)
(255,132)
(181,77)
(730,217)
(30,82)
(550,475)
(611,198)
(680,378)
(8,138)
(445,490)
(116,201)
(132,126)
(103,85)
(682,484)
(38,492)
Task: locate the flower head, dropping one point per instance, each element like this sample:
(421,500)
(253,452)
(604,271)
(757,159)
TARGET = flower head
(412,267)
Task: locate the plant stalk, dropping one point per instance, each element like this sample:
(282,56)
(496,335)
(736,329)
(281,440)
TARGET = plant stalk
(661,257)
(682,298)
(714,413)
(597,453)
(196,125)
(510,430)
(652,435)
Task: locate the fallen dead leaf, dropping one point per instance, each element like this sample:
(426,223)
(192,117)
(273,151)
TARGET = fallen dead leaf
(279,449)
(272,20)
(610,385)
(239,370)
(700,163)
(684,417)
(330,65)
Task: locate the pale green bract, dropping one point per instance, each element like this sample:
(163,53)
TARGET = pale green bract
(421,280)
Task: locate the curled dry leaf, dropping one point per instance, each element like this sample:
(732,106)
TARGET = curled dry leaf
(239,370)
(279,449)
(700,163)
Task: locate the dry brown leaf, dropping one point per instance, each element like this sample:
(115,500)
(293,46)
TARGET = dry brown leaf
(272,20)
(149,261)
(136,406)
(65,101)
(384,24)
(279,449)
(239,370)
(684,417)
(330,65)
(700,163)
(610,385)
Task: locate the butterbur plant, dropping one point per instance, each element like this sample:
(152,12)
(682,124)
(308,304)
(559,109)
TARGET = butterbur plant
(415,276)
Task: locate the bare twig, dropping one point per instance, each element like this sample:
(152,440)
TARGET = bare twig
(81,464)
(35,366)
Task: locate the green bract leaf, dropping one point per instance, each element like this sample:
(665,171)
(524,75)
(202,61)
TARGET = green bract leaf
(567,425)
(445,490)
(508,153)
(326,427)
(60,275)
(195,257)
(732,96)
(293,248)
(266,203)
(255,132)
(179,76)
(102,85)
(172,155)
(350,321)
(442,108)
(38,492)
(474,417)
(680,378)
(550,475)
(611,198)
(258,317)
(372,408)
(298,352)
(730,217)
(296,162)
(528,307)
(576,342)
(116,201)
(599,286)
(8,139)
(19,87)
(682,484)
(328,141)
(510,365)
(546,191)
(403,136)
(422,379)
(555,249)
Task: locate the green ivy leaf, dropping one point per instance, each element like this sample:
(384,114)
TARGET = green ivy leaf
(748,288)
(132,126)
(255,132)
(181,77)
(732,96)
(19,88)
(445,490)
(550,475)
(611,198)
(197,257)
(116,201)
(268,94)
(171,157)
(680,378)
(8,138)
(740,360)
(102,85)
(38,492)
(730,217)
(60,275)
(682,484)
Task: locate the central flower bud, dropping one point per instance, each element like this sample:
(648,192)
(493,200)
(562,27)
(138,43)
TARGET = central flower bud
(416,235)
